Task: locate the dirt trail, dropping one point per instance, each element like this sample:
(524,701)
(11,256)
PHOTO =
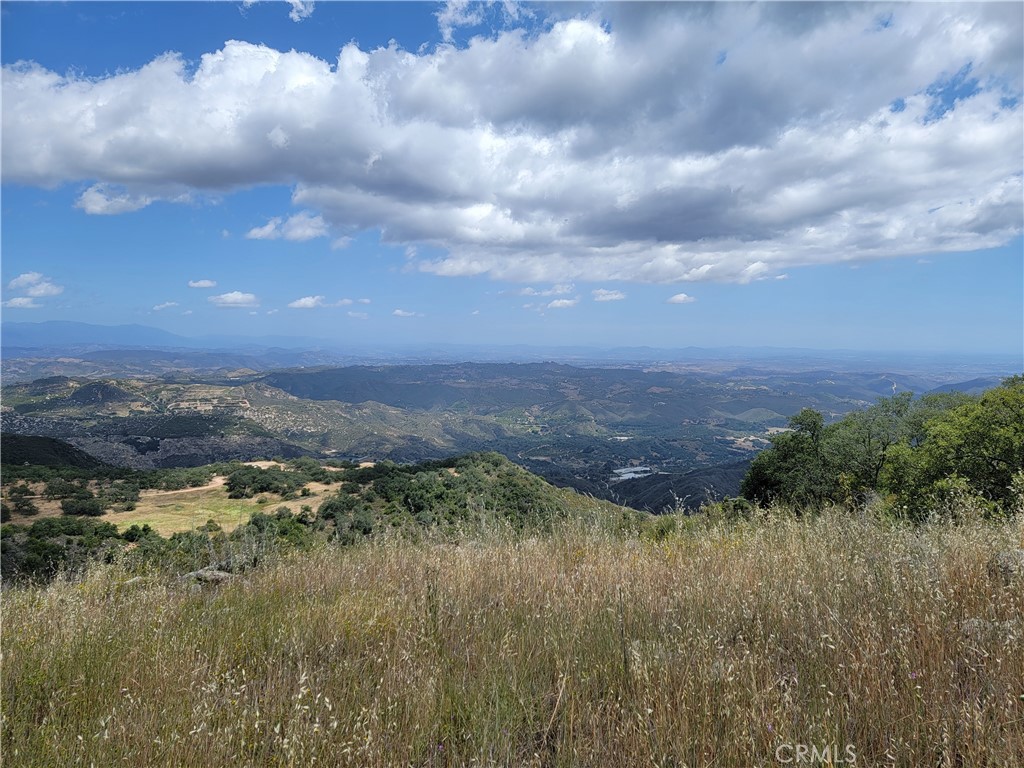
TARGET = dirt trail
(219,481)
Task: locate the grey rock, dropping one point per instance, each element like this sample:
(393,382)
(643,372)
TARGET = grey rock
(209,576)
(980,630)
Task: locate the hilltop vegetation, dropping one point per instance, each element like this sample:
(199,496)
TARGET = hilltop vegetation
(459,496)
(913,457)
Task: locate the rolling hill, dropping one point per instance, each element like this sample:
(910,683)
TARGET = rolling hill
(574,426)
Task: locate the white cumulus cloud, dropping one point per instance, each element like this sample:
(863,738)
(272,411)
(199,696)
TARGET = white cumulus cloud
(405,313)
(680,298)
(269,231)
(165,305)
(307,302)
(25,280)
(304,226)
(22,302)
(657,143)
(603,294)
(301,9)
(202,283)
(35,285)
(31,286)
(102,199)
(235,299)
(300,227)
(563,303)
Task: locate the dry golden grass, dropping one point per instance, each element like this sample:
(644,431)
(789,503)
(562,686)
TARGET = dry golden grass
(168,512)
(718,645)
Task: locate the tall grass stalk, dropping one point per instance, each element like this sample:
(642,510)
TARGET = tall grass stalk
(716,645)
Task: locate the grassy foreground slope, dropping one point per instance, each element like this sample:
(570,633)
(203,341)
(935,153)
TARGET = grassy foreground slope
(709,643)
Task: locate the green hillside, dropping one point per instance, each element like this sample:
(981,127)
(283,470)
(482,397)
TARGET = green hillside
(287,506)
(43,451)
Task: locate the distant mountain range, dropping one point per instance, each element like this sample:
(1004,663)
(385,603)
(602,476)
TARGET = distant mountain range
(165,350)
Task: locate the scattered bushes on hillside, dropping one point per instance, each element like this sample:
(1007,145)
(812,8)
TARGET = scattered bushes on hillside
(69,543)
(470,490)
(121,495)
(52,544)
(312,470)
(63,488)
(41,550)
(454,496)
(246,482)
(21,501)
(351,517)
(116,487)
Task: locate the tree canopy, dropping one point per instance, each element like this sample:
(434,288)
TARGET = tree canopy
(917,455)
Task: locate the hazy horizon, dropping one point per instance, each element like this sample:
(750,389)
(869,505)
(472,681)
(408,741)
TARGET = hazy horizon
(91,335)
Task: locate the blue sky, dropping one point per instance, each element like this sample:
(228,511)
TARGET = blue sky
(829,176)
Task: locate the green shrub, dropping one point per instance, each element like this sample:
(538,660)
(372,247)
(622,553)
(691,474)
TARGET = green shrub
(76,506)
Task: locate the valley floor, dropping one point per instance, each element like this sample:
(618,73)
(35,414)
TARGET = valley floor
(728,644)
